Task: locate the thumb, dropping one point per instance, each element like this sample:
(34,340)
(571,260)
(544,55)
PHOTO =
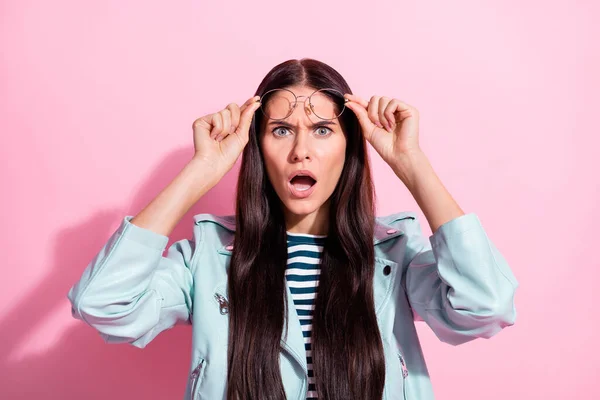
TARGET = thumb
(246,119)
(363,118)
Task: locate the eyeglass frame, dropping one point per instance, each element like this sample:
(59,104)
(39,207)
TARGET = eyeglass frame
(311,108)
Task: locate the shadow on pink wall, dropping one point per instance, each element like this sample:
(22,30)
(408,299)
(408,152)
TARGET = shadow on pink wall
(80,365)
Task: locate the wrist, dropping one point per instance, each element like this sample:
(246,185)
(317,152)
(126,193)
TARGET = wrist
(408,167)
(203,174)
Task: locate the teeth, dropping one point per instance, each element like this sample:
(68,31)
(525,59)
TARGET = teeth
(301,187)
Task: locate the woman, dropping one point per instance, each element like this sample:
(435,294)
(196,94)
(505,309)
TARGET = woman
(304,293)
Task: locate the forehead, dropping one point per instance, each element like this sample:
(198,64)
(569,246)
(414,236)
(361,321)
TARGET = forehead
(301,90)
(285,98)
(281,105)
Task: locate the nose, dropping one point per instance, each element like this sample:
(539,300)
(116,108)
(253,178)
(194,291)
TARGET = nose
(301,150)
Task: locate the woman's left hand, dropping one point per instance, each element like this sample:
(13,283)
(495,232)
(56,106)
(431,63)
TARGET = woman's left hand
(391,126)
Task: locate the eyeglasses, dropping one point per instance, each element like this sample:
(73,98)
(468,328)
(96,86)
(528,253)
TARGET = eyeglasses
(325,104)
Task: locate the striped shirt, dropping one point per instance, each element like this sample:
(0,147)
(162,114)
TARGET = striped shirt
(302,274)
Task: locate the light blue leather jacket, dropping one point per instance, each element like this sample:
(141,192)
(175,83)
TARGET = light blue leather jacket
(457,282)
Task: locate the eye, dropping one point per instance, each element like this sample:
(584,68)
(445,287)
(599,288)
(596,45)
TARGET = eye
(277,131)
(323,131)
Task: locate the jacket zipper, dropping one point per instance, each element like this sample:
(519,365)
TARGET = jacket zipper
(224,309)
(195,374)
(404,374)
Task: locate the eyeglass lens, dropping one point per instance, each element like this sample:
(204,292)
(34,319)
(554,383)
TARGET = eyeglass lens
(324,103)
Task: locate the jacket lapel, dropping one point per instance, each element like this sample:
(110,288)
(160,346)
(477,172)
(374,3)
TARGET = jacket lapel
(292,340)
(294,344)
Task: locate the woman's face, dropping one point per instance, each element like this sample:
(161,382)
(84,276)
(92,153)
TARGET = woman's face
(303,142)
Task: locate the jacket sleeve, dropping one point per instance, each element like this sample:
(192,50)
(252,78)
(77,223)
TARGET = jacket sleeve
(458,282)
(130,292)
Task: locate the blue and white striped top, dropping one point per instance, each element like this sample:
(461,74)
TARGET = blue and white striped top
(302,274)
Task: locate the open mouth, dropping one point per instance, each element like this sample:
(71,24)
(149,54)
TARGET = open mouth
(302,183)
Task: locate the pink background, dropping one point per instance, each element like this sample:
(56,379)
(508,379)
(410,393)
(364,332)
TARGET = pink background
(96,106)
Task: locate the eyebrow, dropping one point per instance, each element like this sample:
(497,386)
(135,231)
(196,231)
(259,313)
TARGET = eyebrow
(288,125)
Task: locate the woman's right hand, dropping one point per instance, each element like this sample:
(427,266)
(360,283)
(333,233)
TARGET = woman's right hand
(219,138)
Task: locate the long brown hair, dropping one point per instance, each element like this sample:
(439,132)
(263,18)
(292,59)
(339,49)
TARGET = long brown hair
(348,359)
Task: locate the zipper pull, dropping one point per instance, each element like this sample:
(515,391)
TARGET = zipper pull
(195,374)
(223,303)
(404,368)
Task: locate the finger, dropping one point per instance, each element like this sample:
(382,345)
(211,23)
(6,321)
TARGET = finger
(363,118)
(404,110)
(217,124)
(407,109)
(235,116)
(202,123)
(357,99)
(373,110)
(246,118)
(383,102)
(251,100)
(389,113)
(226,117)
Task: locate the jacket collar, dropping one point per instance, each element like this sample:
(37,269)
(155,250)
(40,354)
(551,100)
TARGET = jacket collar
(382,232)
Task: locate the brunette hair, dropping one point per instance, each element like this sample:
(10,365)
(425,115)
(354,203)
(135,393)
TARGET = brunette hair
(347,351)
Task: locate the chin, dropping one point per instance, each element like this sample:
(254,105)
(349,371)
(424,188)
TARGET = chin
(299,207)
